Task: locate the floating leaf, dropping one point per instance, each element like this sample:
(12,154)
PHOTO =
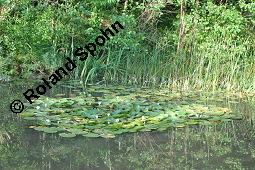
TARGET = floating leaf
(108,135)
(30,118)
(67,135)
(108,111)
(91,135)
(77,131)
(27,114)
(47,129)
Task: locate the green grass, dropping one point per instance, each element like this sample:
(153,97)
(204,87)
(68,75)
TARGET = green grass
(207,69)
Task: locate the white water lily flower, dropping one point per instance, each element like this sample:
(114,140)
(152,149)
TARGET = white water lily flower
(47,120)
(96,116)
(108,114)
(37,107)
(117,120)
(143,118)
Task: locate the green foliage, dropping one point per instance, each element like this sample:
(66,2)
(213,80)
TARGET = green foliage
(107,112)
(181,44)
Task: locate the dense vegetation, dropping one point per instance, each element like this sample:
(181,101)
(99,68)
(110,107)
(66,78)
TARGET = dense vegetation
(202,44)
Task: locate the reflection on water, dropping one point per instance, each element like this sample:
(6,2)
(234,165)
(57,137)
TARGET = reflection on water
(229,145)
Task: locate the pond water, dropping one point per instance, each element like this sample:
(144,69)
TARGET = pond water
(225,145)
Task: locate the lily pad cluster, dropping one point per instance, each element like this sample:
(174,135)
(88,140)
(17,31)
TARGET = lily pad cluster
(109,111)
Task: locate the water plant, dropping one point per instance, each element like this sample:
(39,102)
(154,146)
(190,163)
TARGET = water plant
(109,111)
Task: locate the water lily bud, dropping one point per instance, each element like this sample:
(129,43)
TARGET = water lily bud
(143,118)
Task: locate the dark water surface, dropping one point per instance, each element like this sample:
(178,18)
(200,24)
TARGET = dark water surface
(228,145)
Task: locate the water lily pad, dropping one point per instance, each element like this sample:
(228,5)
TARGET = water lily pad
(67,135)
(47,129)
(30,118)
(91,135)
(77,131)
(108,135)
(27,114)
(100,111)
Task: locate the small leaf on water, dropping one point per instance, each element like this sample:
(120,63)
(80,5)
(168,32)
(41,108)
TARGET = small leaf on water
(47,129)
(91,135)
(30,118)
(108,136)
(67,135)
